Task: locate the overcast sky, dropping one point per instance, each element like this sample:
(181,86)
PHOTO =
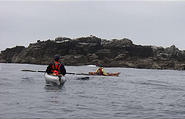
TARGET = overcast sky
(160,23)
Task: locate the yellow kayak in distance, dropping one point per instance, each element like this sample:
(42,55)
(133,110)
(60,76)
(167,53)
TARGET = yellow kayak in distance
(107,74)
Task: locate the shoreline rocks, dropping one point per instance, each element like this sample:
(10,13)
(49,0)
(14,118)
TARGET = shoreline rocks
(95,51)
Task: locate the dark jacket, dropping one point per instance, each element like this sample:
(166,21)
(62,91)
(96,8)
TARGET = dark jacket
(62,69)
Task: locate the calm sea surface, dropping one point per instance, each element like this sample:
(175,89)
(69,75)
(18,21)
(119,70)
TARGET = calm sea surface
(137,93)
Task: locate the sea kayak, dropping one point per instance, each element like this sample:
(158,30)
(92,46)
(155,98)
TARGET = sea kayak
(56,80)
(108,74)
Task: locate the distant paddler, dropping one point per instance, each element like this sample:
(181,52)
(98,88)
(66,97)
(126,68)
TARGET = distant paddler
(100,71)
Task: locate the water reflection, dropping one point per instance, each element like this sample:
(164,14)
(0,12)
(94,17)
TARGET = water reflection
(54,87)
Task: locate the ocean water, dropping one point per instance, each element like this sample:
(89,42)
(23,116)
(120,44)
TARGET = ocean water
(136,93)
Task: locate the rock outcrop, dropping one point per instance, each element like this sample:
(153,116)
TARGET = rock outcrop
(10,54)
(94,50)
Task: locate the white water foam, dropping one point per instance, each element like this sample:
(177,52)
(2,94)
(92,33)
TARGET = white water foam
(91,65)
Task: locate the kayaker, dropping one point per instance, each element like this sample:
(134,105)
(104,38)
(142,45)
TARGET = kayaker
(101,71)
(56,68)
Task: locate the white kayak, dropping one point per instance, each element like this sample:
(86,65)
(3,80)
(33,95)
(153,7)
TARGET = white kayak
(52,79)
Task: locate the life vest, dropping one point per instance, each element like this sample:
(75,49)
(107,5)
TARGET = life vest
(100,71)
(55,68)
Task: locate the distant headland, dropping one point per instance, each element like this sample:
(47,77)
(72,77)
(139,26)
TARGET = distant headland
(95,51)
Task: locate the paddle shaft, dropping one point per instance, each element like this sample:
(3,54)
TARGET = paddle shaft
(45,71)
(66,73)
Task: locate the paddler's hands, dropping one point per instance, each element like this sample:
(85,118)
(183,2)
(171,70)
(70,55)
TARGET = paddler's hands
(60,75)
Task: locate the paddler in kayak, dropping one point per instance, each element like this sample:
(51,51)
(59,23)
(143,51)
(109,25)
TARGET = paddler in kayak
(56,68)
(100,71)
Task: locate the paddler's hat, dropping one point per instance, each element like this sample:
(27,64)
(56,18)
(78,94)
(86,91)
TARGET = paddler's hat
(56,57)
(100,65)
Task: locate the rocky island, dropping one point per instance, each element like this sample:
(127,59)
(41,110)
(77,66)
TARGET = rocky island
(94,51)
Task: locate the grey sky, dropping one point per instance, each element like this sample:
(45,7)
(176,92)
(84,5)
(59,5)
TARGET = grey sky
(160,23)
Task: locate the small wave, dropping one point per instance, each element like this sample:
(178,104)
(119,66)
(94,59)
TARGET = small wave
(4,92)
(5,79)
(6,83)
(27,80)
(51,88)
(171,88)
(91,65)
(154,84)
(157,81)
(160,85)
(148,83)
